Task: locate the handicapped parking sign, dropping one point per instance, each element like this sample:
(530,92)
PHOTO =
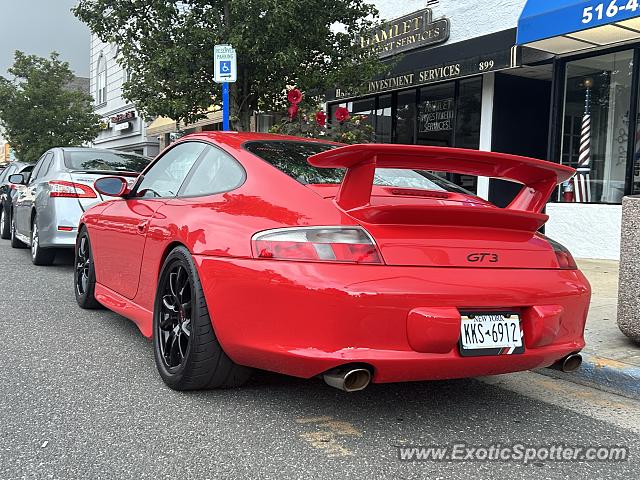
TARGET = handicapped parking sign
(225,64)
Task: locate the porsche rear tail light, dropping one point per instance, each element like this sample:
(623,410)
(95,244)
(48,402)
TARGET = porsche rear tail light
(61,188)
(564,257)
(317,244)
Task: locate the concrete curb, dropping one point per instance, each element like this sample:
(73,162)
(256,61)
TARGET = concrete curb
(604,374)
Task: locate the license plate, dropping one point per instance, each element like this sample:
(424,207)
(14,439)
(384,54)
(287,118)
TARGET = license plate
(490,334)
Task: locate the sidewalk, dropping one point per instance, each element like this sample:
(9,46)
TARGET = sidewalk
(610,360)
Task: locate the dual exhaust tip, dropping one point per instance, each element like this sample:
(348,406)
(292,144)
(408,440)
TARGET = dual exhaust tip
(348,379)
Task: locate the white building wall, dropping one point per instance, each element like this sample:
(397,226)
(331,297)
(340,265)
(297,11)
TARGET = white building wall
(587,230)
(469,18)
(134,138)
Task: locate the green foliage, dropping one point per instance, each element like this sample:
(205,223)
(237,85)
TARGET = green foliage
(356,129)
(168,47)
(38,111)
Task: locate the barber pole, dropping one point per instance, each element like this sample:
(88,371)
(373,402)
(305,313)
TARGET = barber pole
(582,180)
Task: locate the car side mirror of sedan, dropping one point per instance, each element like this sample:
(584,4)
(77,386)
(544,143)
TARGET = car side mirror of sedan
(18,179)
(112,186)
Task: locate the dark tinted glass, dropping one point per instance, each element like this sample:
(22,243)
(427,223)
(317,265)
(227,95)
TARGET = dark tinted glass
(105,160)
(110,185)
(291,158)
(406,118)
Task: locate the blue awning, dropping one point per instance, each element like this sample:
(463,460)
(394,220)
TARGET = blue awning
(567,25)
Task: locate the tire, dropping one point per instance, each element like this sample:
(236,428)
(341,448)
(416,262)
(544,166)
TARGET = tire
(15,243)
(40,256)
(187,353)
(5,223)
(84,273)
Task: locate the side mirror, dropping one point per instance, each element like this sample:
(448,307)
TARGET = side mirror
(18,179)
(112,186)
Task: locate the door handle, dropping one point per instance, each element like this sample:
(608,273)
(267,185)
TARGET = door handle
(142,226)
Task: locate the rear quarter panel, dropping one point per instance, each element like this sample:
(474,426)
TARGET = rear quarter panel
(222,225)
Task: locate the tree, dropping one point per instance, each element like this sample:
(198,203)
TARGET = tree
(168,46)
(38,109)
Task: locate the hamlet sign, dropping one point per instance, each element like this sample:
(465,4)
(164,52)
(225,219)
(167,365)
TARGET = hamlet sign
(406,33)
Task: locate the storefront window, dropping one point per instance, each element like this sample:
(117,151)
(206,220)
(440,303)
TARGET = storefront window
(595,133)
(468,112)
(406,118)
(366,108)
(445,115)
(436,115)
(383,119)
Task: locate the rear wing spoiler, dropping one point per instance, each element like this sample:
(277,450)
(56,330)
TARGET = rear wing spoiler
(539,177)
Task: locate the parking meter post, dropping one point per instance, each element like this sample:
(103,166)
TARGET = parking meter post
(225,106)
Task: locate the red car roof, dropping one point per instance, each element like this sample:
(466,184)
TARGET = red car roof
(236,139)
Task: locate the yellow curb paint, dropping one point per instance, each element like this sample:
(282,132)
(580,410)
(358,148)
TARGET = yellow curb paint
(607,362)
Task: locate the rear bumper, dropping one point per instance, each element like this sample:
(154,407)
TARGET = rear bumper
(55,219)
(302,319)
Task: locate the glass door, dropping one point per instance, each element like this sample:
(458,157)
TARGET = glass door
(595,133)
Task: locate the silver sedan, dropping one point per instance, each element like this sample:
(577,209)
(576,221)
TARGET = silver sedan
(50,201)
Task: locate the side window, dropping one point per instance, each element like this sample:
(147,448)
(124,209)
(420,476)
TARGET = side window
(166,175)
(38,166)
(42,167)
(7,171)
(217,172)
(47,166)
(27,172)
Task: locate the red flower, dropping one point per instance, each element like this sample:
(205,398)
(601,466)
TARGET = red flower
(293,111)
(294,96)
(321,118)
(342,114)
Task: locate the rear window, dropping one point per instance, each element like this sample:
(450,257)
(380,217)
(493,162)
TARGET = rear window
(90,160)
(291,158)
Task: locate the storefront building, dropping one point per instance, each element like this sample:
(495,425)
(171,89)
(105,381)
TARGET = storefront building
(509,83)
(167,130)
(122,126)
(593,48)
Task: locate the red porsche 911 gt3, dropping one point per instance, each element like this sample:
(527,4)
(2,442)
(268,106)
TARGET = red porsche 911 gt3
(357,263)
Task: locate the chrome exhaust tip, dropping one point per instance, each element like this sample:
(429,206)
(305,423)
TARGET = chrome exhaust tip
(568,364)
(348,379)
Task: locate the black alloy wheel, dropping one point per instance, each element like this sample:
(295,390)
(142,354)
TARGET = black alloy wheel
(84,274)
(187,353)
(174,326)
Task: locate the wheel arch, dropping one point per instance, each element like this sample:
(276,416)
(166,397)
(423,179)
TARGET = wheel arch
(168,249)
(33,216)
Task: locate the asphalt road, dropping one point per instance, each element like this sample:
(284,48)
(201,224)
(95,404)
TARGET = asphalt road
(80,398)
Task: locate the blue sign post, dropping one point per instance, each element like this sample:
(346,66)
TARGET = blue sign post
(225,106)
(225,72)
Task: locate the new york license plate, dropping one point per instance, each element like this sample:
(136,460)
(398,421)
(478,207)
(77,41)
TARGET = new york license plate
(490,334)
